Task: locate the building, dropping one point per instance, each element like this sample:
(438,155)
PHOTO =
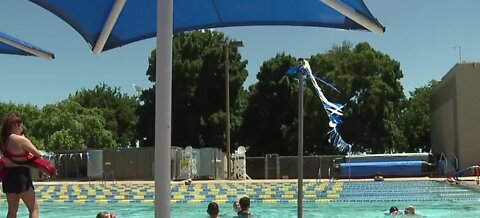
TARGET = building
(455,116)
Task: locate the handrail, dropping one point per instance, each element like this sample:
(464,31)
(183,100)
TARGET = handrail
(442,155)
(456,161)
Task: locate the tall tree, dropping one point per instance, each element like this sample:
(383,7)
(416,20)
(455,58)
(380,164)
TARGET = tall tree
(370,86)
(118,110)
(69,126)
(198,98)
(416,118)
(30,115)
(269,120)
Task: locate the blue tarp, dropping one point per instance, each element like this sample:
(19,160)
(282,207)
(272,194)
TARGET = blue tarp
(137,20)
(386,168)
(389,157)
(8,49)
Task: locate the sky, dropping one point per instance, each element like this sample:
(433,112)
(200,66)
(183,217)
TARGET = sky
(424,36)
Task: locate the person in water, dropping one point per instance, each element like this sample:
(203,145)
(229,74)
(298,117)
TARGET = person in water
(394,211)
(236,207)
(213,210)
(410,210)
(244,207)
(106,215)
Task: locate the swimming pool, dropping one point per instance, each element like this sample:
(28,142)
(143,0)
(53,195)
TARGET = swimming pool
(314,210)
(337,199)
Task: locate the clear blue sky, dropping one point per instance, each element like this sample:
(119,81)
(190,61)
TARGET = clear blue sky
(421,35)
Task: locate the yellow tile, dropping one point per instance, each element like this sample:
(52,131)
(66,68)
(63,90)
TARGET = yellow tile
(195,201)
(323,201)
(103,201)
(269,201)
(220,197)
(221,201)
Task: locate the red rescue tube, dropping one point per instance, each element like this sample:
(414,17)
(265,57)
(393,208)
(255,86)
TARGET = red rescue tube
(43,166)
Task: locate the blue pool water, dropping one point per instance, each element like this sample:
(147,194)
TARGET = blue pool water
(314,210)
(272,200)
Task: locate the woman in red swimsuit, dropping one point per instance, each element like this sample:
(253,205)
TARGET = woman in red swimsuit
(17,183)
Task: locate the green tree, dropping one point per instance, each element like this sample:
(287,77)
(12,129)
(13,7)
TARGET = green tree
(30,114)
(69,126)
(369,83)
(270,117)
(237,117)
(198,100)
(117,109)
(416,118)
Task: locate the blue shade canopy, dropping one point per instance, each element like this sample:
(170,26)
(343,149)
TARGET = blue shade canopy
(14,46)
(107,24)
(137,18)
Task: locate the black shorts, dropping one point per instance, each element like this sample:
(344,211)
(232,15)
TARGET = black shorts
(18,180)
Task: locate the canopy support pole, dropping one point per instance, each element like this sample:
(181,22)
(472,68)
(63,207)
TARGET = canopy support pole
(300,147)
(38,53)
(355,16)
(108,26)
(163,107)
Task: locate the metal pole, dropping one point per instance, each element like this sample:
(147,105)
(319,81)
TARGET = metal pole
(460,53)
(349,166)
(459,48)
(300,146)
(39,53)
(227,107)
(163,107)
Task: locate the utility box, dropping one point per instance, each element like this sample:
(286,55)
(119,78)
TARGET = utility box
(211,163)
(95,163)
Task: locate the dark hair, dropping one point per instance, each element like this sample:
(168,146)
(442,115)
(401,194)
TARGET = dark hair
(244,203)
(393,209)
(213,209)
(8,123)
(101,214)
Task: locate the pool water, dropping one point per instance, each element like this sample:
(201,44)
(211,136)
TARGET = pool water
(269,200)
(337,209)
